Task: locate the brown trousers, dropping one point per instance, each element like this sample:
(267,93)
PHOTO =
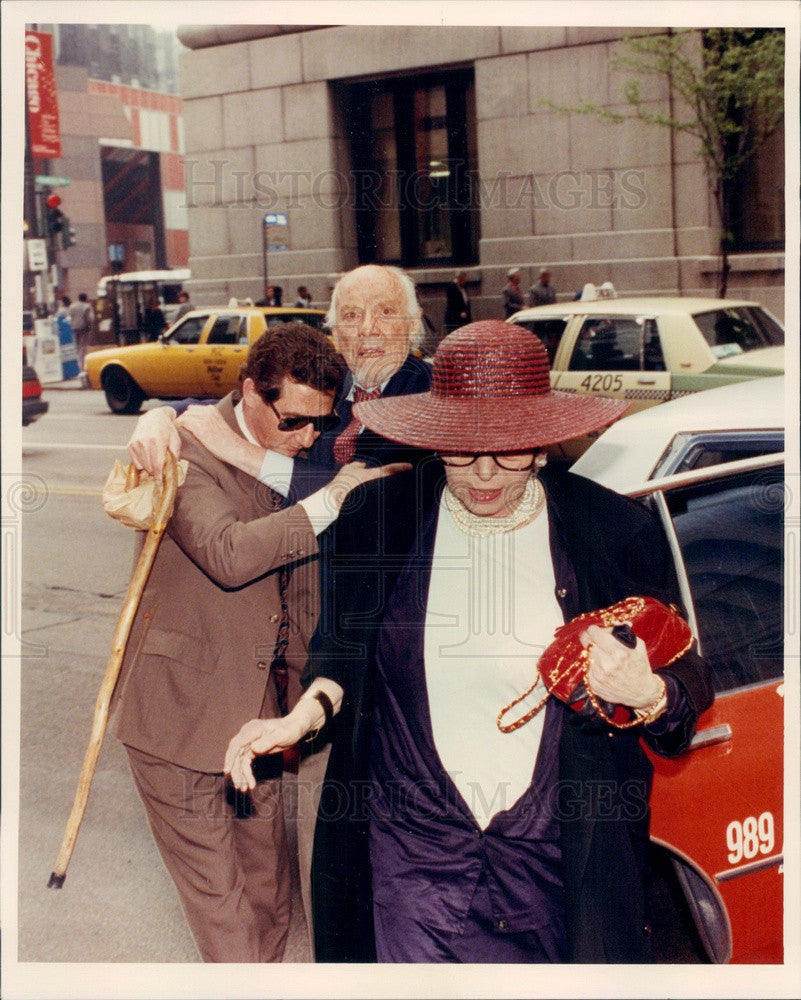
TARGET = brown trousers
(227,856)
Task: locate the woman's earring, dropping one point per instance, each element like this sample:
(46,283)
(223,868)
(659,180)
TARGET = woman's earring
(540,461)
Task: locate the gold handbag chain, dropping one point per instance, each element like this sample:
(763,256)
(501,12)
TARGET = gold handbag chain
(628,608)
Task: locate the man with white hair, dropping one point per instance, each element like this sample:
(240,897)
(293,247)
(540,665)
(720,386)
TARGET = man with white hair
(374,318)
(511,296)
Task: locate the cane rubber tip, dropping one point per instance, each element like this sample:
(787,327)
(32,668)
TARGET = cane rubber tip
(56,881)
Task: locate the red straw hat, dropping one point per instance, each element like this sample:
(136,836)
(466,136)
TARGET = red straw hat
(490,392)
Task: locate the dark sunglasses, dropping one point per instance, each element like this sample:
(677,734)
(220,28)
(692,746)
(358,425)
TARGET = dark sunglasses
(510,461)
(321,424)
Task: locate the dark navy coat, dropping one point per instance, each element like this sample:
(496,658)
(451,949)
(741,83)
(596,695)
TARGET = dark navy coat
(604,547)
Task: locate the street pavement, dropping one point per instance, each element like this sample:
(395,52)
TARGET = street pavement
(118,903)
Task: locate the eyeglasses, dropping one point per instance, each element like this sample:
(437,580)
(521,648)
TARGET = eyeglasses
(511,461)
(325,423)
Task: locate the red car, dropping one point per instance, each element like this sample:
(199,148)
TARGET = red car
(711,466)
(33,406)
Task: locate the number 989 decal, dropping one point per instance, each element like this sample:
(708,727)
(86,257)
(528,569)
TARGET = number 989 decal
(753,836)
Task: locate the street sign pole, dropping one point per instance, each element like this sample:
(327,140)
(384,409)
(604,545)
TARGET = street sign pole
(272,219)
(264,253)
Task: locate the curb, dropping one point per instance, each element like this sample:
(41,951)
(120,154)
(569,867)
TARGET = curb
(71,383)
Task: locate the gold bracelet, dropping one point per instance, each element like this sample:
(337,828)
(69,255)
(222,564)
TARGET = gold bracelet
(645,716)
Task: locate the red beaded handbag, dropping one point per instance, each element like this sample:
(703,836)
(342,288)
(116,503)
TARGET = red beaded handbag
(564,664)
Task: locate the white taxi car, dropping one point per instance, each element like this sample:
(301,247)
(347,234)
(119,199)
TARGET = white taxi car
(711,467)
(648,350)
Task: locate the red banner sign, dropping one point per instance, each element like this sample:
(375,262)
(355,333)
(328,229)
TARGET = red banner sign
(40,86)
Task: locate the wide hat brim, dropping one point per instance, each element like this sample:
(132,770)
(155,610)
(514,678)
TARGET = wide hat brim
(470,424)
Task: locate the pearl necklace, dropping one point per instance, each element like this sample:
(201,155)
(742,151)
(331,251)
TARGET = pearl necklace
(530,506)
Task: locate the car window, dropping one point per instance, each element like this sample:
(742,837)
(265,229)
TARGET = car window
(189,331)
(738,329)
(225,329)
(548,330)
(699,451)
(310,319)
(731,537)
(618,343)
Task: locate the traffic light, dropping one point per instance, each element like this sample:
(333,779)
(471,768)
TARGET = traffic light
(55,220)
(68,234)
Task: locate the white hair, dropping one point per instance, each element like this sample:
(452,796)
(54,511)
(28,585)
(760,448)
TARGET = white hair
(411,307)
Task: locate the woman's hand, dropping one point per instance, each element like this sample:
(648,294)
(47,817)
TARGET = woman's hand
(256,737)
(619,674)
(154,433)
(274,735)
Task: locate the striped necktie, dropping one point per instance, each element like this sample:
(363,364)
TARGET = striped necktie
(345,444)
(278,668)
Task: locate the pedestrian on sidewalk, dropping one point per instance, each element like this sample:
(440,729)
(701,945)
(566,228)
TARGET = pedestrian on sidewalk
(82,318)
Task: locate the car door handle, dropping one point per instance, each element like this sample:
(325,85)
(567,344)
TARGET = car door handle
(711,737)
(646,381)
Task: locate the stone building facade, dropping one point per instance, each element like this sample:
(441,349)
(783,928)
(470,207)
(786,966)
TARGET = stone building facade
(444,148)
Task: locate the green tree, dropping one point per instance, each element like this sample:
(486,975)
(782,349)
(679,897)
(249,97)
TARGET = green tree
(727,92)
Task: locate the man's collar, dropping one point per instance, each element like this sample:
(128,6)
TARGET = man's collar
(239,413)
(349,392)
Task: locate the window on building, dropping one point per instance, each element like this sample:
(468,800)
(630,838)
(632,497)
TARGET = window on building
(758,200)
(413,147)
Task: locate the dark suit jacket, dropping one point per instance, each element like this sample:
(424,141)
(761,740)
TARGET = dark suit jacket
(455,305)
(197,662)
(605,547)
(309,475)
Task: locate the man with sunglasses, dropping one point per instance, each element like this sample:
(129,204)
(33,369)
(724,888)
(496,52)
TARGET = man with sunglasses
(220,636)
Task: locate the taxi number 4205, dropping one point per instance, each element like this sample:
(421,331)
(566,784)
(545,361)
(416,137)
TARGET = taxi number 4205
(602,383)
(754,835)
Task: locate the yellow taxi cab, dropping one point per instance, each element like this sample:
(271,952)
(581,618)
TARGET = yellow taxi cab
(200,355)
(651,349)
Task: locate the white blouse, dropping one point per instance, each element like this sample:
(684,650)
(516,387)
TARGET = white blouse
(491,611)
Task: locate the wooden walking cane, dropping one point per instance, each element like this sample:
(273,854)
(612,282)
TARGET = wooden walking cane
(141,572)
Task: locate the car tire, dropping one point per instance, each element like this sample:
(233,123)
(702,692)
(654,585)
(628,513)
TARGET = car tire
(688,921)
(123,395)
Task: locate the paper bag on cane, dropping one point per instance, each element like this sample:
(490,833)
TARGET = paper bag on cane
(132,495)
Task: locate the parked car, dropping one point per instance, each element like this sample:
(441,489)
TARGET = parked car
(652,349)
(200,355)
(33,406)
(711,466)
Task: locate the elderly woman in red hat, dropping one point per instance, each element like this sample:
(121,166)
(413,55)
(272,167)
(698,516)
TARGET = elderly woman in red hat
(443,835)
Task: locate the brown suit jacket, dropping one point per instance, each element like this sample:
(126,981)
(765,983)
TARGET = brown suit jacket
(197,663)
